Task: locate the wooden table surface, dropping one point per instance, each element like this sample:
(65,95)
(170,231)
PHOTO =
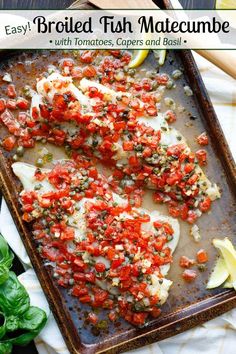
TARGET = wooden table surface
(60,4)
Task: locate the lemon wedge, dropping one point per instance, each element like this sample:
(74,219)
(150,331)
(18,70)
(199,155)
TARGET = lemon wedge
(219,274)
(160,55)
(228,15)
(225,4)
(228,254)
(228,284)
(138,57)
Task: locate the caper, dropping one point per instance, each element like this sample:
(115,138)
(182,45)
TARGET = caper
(154,85)
(131,72)
(169,84)
(71,281)
(169,102)
(15,158)
(39,162)
(188,91)
(176,74)
(20,151)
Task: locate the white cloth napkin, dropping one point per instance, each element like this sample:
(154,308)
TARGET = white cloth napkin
(216,336)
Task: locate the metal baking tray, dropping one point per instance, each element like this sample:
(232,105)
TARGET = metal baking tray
(189,304)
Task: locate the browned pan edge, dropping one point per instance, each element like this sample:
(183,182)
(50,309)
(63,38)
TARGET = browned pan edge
(171,324)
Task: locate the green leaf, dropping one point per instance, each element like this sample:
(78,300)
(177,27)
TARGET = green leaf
(5,348)
(12,323)
(6,258)
(32,322)
(33,319)
(2,325)
(14,300)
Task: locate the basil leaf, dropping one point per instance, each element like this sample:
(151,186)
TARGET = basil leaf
(5,348)
(33,319)
(14,300)
(30,324)
(2,325)
(6,258)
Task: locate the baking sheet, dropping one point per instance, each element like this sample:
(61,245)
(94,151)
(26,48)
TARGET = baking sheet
(188,304)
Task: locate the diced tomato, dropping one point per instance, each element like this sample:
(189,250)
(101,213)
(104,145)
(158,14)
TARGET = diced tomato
(11,91)
(151,110)
(92,318)
(45,203)
(112,316)
(93,92)
(202,256)
(186,262)
(68,234)
(116,263)
(174,178)
(10,121)
(193,179)
(202,139)
(189,275)
(22,103)
(100,267)
(147,152)
(100,295)
(205,205)
(189,167)
(128,145)
(192,217)
(89,71)
(79,263)
(139,318)
(174,211)
(78,290)
(133,161)
(147,85)
(175,150)
(85,299)
(201,155)
(170,116)
(162,79)
(11,104)
(158,197)
(87,57)
(76,73)
(22,118)
(2,105)
(9,143)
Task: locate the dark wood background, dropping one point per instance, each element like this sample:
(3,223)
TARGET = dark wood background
(60,4)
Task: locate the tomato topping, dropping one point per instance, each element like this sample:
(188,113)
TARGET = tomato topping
(11,91)
(205,205)
(202,256)
(9,143)
(89,71)
(189,275)
(22,103)
(170,116)
(92,318)
(11,104)
(186,262)
(2,105)
(201,155)
(202,139)
(128,145)
(87,57)
(100,267)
